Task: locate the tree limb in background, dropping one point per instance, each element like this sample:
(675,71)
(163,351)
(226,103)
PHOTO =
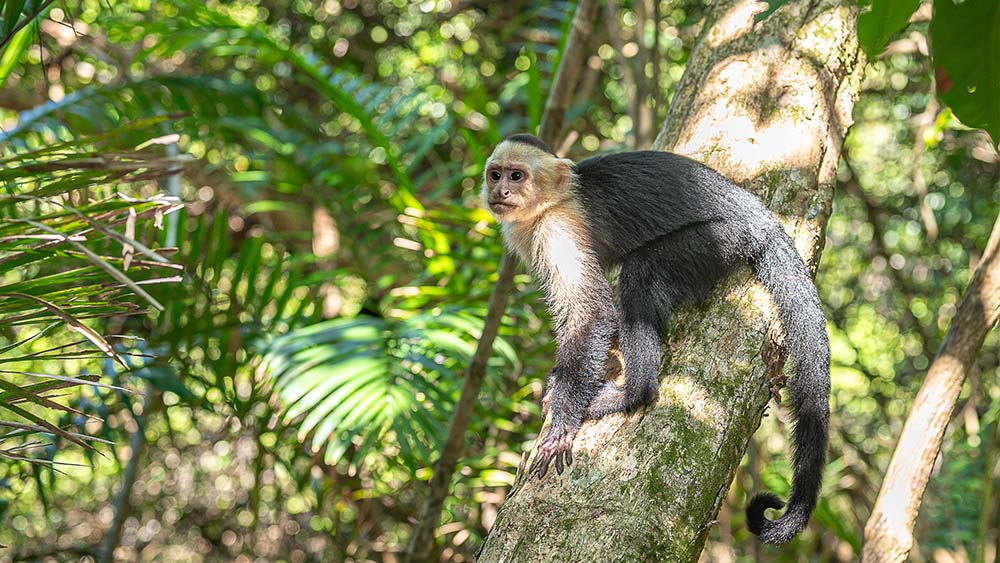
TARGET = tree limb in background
(643,125)
(570,65)
(924,121)
(988,507)
(876,218)
(123,502)
(655,79)
(889,531)
(768,105)
(613,26)
(422,542)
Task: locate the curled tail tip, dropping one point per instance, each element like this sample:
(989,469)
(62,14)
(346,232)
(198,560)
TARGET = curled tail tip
(755,510)
(773,531)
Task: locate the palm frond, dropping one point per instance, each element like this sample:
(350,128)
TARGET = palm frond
(63,241)
(375,386)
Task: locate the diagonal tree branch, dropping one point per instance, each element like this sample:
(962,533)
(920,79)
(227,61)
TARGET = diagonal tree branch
(889,531)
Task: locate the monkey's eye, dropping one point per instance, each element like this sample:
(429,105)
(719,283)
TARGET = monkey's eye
(516,176)
(495,175)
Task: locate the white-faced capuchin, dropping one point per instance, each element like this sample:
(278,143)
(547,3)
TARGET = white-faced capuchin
(674,228)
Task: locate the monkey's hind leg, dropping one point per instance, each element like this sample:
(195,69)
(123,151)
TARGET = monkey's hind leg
(679,268)
(645,302)
(640,346)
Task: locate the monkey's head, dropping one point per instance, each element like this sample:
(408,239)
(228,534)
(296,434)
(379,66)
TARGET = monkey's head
(524,178)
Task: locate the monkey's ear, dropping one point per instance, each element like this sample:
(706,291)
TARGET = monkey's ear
(564,168)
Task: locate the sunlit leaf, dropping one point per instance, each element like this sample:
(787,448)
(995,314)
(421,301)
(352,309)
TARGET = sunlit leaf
(881,22)
(966,51)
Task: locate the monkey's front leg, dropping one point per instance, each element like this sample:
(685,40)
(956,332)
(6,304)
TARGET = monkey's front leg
(573,383)
(565,403)
(547,393)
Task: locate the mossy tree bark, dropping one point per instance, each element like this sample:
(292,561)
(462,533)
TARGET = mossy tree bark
(768,105)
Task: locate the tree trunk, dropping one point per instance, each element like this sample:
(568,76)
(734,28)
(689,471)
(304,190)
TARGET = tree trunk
(889,531)
(768,105)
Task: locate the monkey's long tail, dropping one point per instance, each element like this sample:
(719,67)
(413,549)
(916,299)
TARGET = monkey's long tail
(781,270)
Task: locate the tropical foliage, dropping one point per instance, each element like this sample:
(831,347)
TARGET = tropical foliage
(269,370)
(74,269)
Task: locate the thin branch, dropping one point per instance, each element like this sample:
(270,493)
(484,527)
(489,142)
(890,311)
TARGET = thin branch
(422,542)
(875,215)
(123,506)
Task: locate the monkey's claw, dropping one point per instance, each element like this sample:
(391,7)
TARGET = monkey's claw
(558,447)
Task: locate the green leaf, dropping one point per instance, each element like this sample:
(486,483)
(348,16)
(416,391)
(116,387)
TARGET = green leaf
(45,386)
(772,7)
(45,424)
(102,264)
(59,259)
(11,16)
(15,49)
(885,19)
(966,43)
(75,323)
(17,394)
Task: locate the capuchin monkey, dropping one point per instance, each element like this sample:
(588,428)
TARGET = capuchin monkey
(674,228)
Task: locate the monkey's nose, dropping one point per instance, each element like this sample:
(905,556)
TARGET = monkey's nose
(505,193)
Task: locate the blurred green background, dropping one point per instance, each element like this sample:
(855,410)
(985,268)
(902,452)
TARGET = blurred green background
(288,193)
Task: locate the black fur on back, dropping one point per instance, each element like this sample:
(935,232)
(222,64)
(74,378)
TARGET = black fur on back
(637,197)
(689,226)
(531,140)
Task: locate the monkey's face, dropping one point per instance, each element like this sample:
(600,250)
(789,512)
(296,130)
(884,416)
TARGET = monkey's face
(507,186)
(520,182)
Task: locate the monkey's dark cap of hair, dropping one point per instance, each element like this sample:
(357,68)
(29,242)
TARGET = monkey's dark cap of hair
(531,140)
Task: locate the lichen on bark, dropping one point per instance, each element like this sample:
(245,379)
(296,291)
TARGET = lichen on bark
(767,105)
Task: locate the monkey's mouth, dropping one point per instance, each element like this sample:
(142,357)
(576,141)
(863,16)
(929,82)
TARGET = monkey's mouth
(501,207)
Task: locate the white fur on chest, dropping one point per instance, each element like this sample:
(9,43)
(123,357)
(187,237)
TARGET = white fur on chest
(557,248)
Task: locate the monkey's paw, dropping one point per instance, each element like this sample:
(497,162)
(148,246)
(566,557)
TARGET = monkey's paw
(558,447)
